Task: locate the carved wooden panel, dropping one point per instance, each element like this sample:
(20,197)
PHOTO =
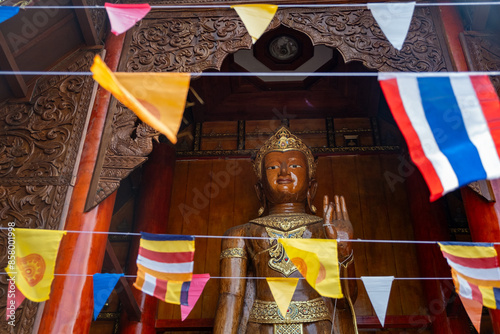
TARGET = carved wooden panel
(130,144)
(197,41)
(355,33)
(482,52)
(39,145)
(99,17)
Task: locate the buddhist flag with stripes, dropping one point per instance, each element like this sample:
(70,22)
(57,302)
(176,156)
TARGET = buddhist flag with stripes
(165,266)
(475,271)
(451,125)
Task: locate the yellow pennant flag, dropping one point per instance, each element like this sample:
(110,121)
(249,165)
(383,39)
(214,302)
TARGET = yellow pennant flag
(282,289)
(317,261)
(158,99)
(32,266)
(256,18)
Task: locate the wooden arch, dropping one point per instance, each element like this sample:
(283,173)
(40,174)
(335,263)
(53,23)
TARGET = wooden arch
(168,41)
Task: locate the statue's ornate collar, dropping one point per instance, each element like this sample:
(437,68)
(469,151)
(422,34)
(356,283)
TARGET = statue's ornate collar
(287,221)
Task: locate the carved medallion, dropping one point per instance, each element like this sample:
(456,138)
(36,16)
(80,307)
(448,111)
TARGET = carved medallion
(32,268)
(279,260)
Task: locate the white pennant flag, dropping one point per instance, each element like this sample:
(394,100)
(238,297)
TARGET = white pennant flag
(394,19)
(378,289)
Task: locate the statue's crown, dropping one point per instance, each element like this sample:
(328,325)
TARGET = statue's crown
(282,141)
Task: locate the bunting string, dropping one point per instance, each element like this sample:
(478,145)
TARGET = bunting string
(260,278)
(279,74)
(381,241)
(359,5)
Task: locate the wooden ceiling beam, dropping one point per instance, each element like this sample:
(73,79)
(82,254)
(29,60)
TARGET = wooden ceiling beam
(122,287)
(86,24)
(8,63)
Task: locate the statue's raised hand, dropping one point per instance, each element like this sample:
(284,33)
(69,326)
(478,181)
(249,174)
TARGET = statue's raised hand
(337,224)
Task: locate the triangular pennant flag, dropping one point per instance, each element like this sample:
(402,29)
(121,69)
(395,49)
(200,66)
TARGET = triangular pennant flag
(378,289)
(103,286)
(394,19)
(282,289)
(14,299)
(195,289)
(123,16)
(36,253)
(6,12)
(450,124)
(474,310)
(256,18)
(158,99)
(316,260)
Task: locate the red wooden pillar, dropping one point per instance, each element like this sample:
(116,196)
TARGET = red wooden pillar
(70,307)
(430,224)
(152,212)
(483,218)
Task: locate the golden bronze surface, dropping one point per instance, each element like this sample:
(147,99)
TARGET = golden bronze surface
(287,221)
(233,252)
(267,312)
(288,329)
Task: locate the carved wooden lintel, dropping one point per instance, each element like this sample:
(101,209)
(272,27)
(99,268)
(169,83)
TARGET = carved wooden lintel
(197,41)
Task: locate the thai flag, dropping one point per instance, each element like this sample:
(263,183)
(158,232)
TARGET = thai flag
(451,124)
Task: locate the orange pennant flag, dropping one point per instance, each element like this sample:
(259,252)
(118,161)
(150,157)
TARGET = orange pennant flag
(256,18)
(474,310)
(158,99)
(282,289)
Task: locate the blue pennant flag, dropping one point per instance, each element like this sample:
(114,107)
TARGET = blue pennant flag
(7,12)
(103,285)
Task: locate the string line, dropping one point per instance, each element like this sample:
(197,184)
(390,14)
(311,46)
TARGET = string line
(381,241)
(276,74)
(357,5)
(243,277)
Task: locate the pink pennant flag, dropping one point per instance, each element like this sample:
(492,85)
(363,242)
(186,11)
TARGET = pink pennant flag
(14,298)
(195,289)
(123,17)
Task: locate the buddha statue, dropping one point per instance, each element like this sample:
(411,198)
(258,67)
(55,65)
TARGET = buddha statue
(286,187)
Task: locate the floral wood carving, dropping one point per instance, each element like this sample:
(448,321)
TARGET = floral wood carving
(39,145)
(130,144)
(357,36)
(482,52)
(99,17)
(197,41)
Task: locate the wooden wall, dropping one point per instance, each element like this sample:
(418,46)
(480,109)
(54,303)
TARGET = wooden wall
(210,196)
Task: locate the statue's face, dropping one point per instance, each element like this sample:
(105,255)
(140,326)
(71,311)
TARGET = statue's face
(285,178)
